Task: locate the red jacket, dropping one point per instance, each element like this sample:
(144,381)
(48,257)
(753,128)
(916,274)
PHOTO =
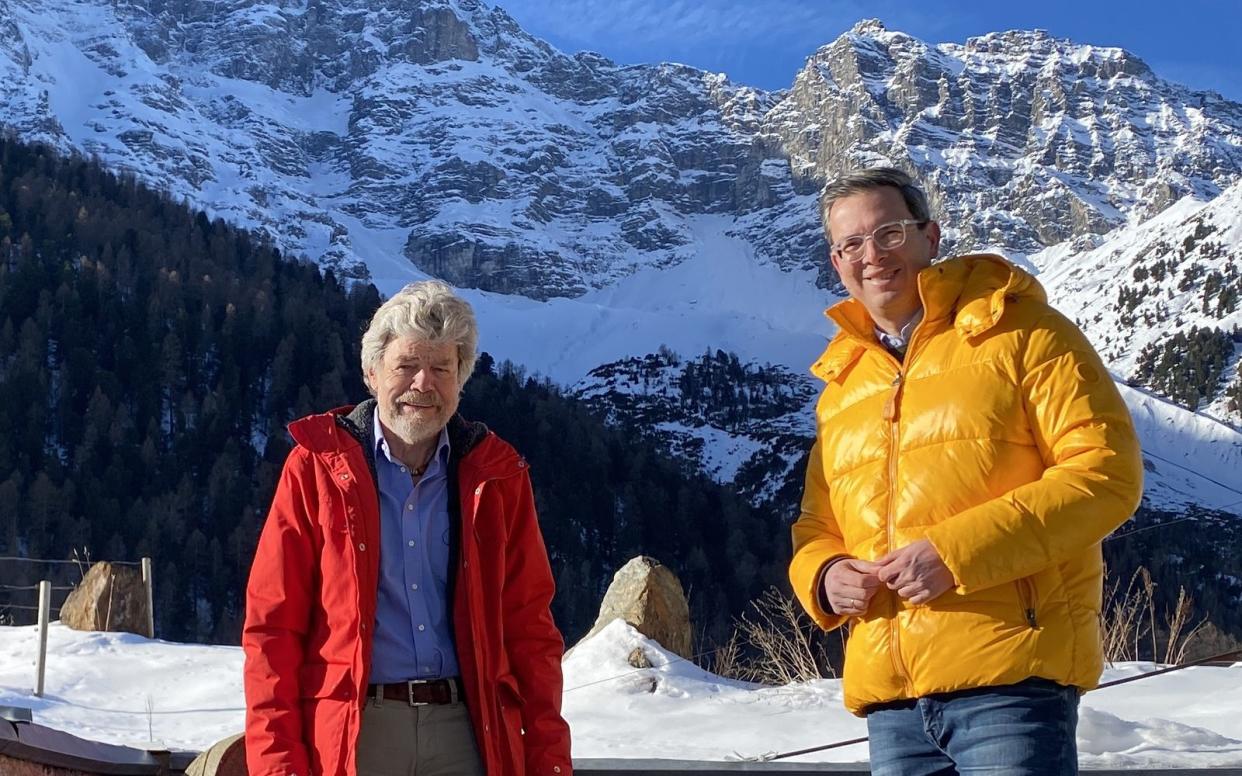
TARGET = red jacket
(310,605)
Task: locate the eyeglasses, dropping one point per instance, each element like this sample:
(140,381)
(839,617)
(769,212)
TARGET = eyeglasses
(886,237)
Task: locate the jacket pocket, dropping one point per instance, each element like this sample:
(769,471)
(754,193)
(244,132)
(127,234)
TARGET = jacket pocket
(1028,601)
(326,694)
(325,680)
(510,702)
(508,689)
(336,517)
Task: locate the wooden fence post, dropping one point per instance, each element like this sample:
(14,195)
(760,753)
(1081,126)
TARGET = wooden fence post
(148,583)
(45,610)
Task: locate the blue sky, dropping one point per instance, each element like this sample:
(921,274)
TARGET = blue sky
(764,43)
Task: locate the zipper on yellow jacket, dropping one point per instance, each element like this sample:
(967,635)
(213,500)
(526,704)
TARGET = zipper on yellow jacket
(892,414)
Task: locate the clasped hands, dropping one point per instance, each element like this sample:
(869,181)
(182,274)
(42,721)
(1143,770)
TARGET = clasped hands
(915,572)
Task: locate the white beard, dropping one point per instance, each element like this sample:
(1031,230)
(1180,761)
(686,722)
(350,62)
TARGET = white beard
(412,428)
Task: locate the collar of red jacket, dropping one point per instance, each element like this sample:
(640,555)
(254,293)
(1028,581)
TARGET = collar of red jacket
(345,428)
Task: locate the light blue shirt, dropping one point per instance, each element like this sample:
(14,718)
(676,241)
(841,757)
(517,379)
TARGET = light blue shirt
(413,636)
(897,343)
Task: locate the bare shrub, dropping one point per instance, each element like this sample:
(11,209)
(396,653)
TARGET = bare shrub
(726,659)
(1178,641)
(1122,620)
(1130,620)
(775,643)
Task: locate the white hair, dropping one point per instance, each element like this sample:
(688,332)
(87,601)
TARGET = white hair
(427,310)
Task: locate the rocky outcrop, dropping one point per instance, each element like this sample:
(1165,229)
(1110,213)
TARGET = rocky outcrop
(225,758)
(109,598)
(649,597)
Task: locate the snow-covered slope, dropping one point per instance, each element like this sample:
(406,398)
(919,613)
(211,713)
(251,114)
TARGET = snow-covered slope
(1189,459)
(125,689)
(1141,286)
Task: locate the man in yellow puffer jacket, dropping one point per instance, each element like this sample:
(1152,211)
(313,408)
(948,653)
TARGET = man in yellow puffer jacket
(971,454)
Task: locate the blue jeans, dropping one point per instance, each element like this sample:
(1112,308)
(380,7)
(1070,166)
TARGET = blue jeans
(1023,729)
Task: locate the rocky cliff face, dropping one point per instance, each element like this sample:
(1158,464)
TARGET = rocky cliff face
(1022,139)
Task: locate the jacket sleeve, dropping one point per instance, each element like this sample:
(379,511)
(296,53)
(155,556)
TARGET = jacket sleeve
(1092,482)
(278,599)
(817,541)
(532,641)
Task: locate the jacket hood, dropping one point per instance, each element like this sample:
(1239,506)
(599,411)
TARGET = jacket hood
(972,290)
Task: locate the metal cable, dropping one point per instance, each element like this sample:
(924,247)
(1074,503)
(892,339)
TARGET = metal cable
(35,587)
(68,562)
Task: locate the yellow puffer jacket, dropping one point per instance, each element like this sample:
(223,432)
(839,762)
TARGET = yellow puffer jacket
(1004,442)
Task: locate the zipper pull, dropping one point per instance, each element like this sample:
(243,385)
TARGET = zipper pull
(890,406)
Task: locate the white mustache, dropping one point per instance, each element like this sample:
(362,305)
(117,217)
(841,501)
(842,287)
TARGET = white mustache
(421,400)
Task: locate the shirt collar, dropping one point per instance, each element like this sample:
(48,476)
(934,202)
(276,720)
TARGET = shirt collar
(382,449)
(899,341)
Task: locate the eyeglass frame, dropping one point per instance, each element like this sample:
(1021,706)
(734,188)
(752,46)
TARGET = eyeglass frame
(836,248)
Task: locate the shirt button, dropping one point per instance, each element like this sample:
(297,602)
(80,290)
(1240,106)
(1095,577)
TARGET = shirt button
(556,769)
(409,507)
(362,547)
(414,586)
(478,491)
(422,627)
(344,476)
(404,470)
(411,542)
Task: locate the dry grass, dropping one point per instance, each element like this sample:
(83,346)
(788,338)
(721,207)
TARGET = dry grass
(773,643)
(1134,630)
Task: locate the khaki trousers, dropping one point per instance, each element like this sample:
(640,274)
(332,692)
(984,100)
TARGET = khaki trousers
(398,739)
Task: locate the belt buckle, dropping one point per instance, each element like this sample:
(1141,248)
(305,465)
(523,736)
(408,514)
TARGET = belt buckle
(409,685)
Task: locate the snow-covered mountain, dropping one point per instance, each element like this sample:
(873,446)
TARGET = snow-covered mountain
(382,136)
(595,212)
(1022,140)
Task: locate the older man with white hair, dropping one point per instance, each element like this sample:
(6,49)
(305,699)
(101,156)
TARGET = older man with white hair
(398,607)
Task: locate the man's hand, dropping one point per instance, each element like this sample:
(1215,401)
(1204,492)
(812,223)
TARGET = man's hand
(915,572)
(849,585)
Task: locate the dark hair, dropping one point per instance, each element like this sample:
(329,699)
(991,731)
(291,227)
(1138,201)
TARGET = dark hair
(859,181)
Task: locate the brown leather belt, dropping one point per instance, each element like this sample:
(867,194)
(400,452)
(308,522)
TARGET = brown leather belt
(420,692)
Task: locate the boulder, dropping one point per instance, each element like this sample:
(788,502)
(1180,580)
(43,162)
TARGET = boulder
(226,757)
(109,598)
(649,597)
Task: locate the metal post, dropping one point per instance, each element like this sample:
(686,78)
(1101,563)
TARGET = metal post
(148,583)
(45,611)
